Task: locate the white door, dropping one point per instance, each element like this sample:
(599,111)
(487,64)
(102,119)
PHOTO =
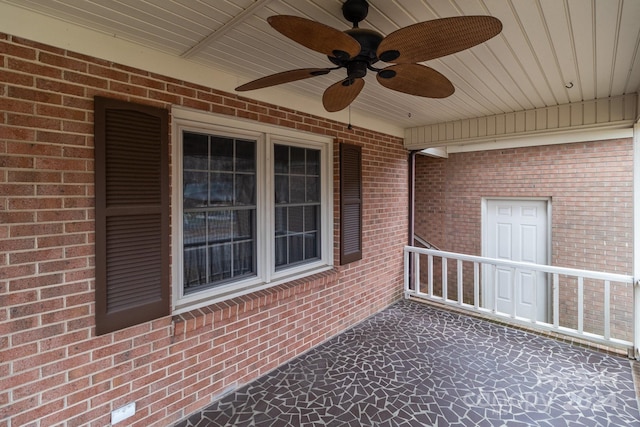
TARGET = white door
(516,230)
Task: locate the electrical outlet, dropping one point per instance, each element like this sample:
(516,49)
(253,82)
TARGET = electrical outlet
(123,413)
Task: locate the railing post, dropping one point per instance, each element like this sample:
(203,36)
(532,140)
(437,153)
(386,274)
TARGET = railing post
(556,300)
(406,273)
(636,240)
(445,279)
(460,280)
(416,273)
(476,285)
(430,273)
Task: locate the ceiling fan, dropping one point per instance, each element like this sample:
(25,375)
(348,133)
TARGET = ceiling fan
(358,49)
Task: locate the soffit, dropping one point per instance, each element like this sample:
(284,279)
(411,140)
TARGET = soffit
(550,52)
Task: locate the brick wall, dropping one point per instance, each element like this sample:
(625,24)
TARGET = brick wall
(590,186)
(53,369)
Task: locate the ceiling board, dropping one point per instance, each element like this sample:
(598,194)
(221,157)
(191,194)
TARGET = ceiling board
(545,45)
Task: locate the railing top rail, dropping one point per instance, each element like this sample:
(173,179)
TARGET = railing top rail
(613,277)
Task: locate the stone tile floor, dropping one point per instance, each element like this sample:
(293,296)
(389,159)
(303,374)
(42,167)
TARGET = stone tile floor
(417,365)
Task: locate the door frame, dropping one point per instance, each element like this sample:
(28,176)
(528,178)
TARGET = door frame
(484,217)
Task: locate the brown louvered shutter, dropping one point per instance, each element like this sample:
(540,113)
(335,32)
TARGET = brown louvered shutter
(132,214)
(350,203)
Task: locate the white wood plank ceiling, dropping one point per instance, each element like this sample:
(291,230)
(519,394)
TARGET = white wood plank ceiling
(550,52)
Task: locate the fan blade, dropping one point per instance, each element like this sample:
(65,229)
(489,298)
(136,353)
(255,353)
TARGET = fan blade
(284,77)
(339,95)
(316,36)
(416,79)
(440,37)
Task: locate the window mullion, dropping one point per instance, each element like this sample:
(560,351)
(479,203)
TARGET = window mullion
(267,219)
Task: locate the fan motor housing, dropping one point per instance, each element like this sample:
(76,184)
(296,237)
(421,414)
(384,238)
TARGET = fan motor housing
(369,41)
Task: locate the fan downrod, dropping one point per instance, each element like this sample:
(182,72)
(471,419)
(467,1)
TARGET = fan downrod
(355,11)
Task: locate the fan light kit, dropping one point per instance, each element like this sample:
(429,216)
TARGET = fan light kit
(358,49)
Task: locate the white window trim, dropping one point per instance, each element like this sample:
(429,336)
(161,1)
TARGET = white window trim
(197,121)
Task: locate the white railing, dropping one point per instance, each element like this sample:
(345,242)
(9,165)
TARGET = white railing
(557,277)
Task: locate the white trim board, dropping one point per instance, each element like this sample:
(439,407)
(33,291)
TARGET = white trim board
(580,121)
(550,138)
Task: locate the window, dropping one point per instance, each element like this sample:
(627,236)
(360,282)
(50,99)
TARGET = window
(297,200)
(219,209)
(252,207)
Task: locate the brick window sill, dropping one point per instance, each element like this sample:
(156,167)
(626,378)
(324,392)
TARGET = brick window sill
(221,313)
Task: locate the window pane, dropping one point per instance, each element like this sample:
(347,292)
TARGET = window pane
(297,161)
(219,262)
(311,218)
(195,266)
(313,189)
(296,219)
(311,245)
(296,248)
(243,225)
(194,229)
(195,189)
(313,162)
(297,189)
(221,189)
(281,251)
(219,227)
(245,156)
(282,189)
(245,190)
(221,154)
(243,256)
(281,221)
(195,150)
(195,253)
(281,158)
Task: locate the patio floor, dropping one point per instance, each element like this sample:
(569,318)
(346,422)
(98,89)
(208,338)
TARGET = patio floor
(417,365)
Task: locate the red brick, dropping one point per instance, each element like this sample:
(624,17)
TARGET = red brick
(61,215)
(30,203)
(61,61)
(35,282)
(18,244)
(34,176)
(13,132)
(52,97)
(33,149)
(39,412)
(32,68)
(16,217)
(38,386)
(62,416)
(18,379)
(36,334)
(63,315)
(67,389)
(35,256)
(35,230)
(12,49)
(60,138)
(15,105)
(61,88)
(62,239)
(148,83)
(59,112)
(60,190)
